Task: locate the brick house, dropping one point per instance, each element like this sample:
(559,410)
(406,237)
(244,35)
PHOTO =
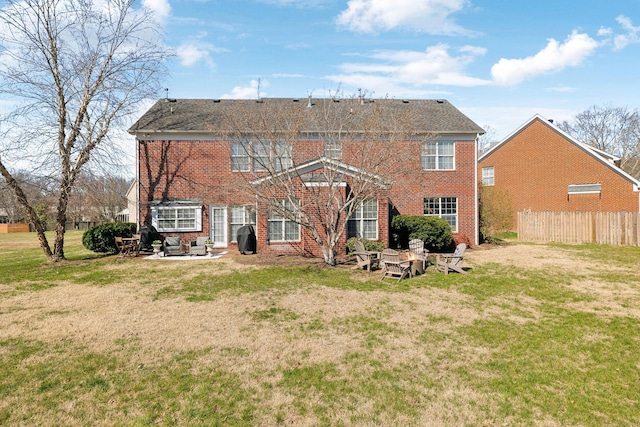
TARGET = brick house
(199,159)
(543,168)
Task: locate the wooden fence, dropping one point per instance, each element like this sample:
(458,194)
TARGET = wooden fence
(14,228)
(611,228)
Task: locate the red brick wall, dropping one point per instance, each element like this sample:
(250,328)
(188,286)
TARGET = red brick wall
(202,169)
(538,164)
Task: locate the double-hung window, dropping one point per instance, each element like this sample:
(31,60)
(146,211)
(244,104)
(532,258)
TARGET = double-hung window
(488,176)
(177,218)
(240,156)
(364,221)
(333,149)
(259,156)
(281,227)
(281,156)
(443,207)
(240,216)
(438,155)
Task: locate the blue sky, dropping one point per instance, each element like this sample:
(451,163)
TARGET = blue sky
(499,61)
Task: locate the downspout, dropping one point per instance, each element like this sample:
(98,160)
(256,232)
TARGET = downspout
(475,189)
(137,191)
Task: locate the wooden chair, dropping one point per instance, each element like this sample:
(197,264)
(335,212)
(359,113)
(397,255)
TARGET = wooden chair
(364,258)
(124,248)
(416,247)
(451,262)
(392,265)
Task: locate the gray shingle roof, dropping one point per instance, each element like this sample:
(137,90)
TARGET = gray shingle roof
(207,115)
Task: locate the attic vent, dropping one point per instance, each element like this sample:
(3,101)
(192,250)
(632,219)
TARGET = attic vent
(585,188)
(336,100)
(405,101)
(216,100)
(440,101)
(296,100)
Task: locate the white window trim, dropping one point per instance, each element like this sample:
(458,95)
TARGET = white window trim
(245,154)
(437,155)
(198,218)
(283,222)
(245,208)
(278,158)
(440,214)
(485,176)
(361,220)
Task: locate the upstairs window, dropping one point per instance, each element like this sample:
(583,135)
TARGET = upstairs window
(333,149)
(260,156)
(443,207)
(240,156)
(438,155)
(488,176)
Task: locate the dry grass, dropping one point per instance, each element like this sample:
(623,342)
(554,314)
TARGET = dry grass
(303,350)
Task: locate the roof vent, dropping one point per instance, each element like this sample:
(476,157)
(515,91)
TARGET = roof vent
(440,101)
(405,101)
(216,101)
(296,100)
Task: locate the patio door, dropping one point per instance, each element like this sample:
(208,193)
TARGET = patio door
(218,226)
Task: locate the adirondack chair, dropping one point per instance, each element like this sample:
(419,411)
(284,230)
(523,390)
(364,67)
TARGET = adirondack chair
(364,258)
(416,247)
(451,262)
(392,265)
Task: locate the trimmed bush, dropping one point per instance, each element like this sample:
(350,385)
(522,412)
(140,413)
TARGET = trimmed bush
(101,238)
(433,231)
(369,245)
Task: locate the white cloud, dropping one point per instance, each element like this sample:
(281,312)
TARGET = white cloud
(247,92)
(554,57)
(426,16)
(632,36)
(434,66)
(195,50)
(161,9)
(189,54)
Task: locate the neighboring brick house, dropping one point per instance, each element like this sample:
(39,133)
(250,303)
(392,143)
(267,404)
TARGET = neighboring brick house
(192,170)
(543,169)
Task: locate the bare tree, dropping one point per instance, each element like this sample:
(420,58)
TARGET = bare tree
(349,151)
(72,70)
(97,198)
(614,130)
(487,140)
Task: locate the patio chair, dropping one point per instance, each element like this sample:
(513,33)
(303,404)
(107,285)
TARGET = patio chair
(172,246)
(451,262)
(392,265)
(364,258)
(123,247)
(416,248)
(198,247)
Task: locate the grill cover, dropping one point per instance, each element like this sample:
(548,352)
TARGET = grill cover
(148,234)
(246,239)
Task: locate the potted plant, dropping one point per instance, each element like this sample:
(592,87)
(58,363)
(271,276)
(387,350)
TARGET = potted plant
(156,245)
(209,245)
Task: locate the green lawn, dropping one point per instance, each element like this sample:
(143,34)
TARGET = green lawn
(533,335)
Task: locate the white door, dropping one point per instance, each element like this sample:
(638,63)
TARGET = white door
(219,226)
